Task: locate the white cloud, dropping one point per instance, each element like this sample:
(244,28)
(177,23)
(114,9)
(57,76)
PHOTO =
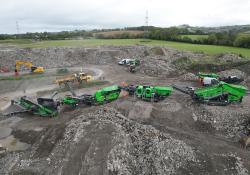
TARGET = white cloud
(56,15)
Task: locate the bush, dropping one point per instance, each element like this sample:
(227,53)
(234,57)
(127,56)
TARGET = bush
(62,71)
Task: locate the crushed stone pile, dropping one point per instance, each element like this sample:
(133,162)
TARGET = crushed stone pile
(156,61)
(131,148)
(189,77)
(103,141)
(231,120)
(233,72)
(229,57)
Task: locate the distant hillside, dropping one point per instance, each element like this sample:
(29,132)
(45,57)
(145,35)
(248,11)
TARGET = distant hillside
(119,34)
(207,30)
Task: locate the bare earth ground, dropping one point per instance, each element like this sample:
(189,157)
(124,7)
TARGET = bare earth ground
(127,136)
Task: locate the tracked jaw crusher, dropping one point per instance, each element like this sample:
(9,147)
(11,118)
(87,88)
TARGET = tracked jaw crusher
(149,93)
(219,94)
(101,96)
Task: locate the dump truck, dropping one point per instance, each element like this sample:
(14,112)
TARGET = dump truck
(219,94)
(77,77)
(28,64)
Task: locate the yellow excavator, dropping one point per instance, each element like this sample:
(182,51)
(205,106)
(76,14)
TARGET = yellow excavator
(29,65)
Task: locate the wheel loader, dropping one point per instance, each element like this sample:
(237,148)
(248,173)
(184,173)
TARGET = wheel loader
(218,94)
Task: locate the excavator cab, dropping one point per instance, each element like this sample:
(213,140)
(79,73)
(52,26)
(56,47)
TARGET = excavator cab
(37,69)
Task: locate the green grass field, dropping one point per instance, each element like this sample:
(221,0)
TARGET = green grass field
(195,37)
(17,41)
(209,49)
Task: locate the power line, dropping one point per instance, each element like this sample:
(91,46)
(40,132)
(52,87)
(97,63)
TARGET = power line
(146,19)
(17,27)
(146,25)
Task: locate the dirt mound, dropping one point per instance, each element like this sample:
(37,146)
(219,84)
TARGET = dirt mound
(157,51)
(229,57)
(189,77)
(233,72)
(156,61)
(231,120)
(106,141)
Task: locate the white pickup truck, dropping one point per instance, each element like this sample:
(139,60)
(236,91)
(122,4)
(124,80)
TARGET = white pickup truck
(124,62)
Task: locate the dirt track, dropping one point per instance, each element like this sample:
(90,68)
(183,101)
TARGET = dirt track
(129,136)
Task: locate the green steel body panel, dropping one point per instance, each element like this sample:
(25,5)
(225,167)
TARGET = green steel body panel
(107,94)
(148,92)
(134,62)
(211,75)
(165,91)
(235,92)
(68,100)
(36,108)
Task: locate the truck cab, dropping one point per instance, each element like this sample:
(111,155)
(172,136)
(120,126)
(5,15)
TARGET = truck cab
(124,62)
(208,81)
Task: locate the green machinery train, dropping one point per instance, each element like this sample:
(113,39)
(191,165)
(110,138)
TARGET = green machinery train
(112,93)
(219,94)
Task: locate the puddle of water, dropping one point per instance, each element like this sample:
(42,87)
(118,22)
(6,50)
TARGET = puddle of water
(38,129)
(10,143)
(4,132)
(10,122)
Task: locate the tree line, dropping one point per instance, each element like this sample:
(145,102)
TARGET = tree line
(235,38)
(49,35)
(230,38)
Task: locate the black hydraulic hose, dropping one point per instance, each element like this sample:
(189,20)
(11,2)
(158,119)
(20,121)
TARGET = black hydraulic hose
(181,89)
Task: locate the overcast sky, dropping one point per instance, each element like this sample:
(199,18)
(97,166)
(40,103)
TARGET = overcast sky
(57,15)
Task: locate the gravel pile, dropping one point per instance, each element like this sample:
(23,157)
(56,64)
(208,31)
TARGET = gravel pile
(131,148)
(189,77)
(141,149)
(231,120)
(229,57)
(103,141)
(156,61)
(232,72)
(57,57)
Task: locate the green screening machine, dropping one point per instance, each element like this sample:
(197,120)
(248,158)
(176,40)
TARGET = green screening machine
(45,107)
(219,94)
